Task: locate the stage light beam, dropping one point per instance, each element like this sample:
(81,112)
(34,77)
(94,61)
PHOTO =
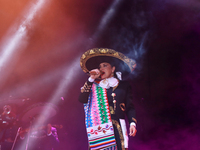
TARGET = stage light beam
(105,19)
(16,38)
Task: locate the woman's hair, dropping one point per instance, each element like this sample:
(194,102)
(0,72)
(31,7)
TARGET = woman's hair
(113,65)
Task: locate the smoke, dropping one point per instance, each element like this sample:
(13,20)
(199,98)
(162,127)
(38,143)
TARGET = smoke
(185,3)
(170,138)
(130,32)
(71,73)
(191,76)
(138,49)
(105,20)
(31,86)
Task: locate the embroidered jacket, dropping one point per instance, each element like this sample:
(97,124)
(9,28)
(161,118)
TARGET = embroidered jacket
(122,96)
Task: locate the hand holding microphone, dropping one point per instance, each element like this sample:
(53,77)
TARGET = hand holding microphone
(95,73)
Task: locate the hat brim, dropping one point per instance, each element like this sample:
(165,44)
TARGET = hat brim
(93,57)
(94,62)
(47,109)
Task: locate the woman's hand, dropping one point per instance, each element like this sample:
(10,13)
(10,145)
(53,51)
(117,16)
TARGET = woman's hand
(94,74)
(132,130)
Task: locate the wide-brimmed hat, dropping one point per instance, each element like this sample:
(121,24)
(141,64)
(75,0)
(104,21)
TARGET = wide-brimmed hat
(93,57)
(14,103)
(48,110)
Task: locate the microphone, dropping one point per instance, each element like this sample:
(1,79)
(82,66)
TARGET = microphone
(94,73)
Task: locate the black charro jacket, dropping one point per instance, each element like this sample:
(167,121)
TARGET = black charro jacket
(124,100)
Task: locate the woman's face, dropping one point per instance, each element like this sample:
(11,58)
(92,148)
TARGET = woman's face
(107,70)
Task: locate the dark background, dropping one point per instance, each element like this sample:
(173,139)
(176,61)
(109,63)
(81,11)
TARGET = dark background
(163,36)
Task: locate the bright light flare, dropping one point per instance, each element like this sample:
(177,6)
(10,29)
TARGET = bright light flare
(16,39)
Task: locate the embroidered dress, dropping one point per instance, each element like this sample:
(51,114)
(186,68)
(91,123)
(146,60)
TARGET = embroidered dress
(98,120)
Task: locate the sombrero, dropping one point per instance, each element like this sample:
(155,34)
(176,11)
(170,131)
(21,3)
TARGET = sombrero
(47,109)
(93,57)
(13,101)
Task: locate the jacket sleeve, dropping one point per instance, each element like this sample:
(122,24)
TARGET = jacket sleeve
(85,92)
(130,110)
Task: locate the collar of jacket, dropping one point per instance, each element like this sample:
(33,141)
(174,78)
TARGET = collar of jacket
(108,82)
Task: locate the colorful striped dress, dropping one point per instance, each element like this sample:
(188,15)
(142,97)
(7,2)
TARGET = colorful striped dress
(98,120)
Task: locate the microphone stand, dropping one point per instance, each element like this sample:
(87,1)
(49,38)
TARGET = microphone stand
(16,138)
